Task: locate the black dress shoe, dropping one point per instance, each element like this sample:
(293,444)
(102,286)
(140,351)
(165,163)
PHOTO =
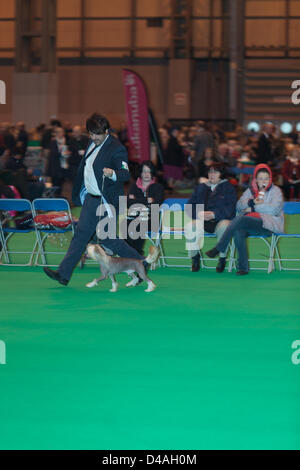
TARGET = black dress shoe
(221,265)
(196,263)
(212,253)
(56,276)
(242,273)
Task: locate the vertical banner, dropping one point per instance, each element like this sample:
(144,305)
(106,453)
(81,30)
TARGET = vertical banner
(136,116)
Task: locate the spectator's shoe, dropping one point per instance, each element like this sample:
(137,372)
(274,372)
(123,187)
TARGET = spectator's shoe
(196,263)
(56,276)
(221,265)
(242,273)
(212,253)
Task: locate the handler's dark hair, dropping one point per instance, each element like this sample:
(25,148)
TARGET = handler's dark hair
(97,124)
(149,165)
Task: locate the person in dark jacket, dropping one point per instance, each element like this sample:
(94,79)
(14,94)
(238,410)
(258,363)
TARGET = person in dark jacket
(291,174)
(142,194)
(77,147)
(265,145)
(174,159)
(58,159)
(219,199)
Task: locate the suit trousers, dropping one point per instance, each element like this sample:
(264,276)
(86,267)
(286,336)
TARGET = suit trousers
(85,230)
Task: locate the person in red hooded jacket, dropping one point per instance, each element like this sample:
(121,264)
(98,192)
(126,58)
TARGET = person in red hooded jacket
(260,212)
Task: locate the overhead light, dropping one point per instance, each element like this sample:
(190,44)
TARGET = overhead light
(286,127)
(254,126)
(298,126)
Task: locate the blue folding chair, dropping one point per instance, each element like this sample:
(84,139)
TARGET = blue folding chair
(7,232)
(174,205)
(269,241)
(290,208)
(46,205)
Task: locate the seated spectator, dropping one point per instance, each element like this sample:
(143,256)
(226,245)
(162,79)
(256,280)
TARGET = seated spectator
(49,134)
(223,155)
(291,174)
(219,199)
(15,162)
(144,192)
(203,139)
(205,164)
(77,146)
(260,213)
(28,184)
(21,138)
(173,159)
(8,136)
(7,190)
(58,159)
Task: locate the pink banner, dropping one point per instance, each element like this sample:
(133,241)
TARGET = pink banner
(136,116)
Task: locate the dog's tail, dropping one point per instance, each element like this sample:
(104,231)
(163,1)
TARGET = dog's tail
(152,255)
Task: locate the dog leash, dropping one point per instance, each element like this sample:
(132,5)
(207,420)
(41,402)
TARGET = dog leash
(101,201)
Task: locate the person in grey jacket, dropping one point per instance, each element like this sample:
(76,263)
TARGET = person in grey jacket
(260,212)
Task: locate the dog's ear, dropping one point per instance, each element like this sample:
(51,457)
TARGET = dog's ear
(98,251)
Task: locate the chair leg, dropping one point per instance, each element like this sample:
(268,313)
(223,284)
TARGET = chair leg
(271,265)
(40,251)
(4,248)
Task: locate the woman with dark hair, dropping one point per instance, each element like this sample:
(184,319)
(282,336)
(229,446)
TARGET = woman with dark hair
(144,192)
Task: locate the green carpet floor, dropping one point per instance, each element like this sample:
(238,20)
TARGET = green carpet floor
(203,362)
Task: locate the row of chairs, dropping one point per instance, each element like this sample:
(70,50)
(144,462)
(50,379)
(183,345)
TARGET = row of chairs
(38,250)
(170,205)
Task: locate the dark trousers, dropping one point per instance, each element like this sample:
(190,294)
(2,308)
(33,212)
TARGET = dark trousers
(287,190)
(240,228)
(84,231)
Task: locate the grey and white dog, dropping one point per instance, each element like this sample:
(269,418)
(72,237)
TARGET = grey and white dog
(110,266)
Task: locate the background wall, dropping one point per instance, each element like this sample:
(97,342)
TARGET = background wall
(96,39)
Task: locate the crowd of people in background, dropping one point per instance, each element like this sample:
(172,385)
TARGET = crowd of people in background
(187,153)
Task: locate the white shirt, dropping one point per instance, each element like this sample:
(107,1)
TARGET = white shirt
(90,182)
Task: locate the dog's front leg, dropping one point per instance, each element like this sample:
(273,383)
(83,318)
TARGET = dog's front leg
(95,282)
(114,283)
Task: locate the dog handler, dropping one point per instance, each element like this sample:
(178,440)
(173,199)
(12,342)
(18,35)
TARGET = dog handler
(104,157)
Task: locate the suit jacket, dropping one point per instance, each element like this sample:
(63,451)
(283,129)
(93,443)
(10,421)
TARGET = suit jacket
(111,155)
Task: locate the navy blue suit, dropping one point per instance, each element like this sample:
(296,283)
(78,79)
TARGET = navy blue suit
(111,155)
